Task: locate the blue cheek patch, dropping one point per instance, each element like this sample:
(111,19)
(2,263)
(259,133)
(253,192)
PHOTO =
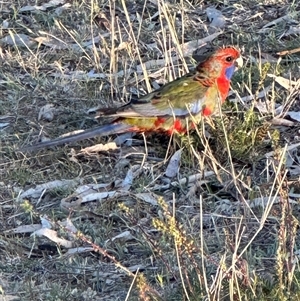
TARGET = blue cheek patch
(229,72)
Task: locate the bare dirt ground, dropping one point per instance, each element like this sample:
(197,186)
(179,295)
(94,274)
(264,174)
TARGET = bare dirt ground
(106,223)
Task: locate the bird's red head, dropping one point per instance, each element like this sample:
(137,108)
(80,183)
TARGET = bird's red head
(227,55)
(222,62)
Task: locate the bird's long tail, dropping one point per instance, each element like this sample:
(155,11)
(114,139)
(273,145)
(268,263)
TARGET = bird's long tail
(105,130)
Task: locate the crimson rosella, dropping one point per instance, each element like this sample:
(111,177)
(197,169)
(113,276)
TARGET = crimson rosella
(175,107)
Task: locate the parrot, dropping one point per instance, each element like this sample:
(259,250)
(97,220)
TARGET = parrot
(175,107)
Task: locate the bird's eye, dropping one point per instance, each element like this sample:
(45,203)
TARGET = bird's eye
(229,59)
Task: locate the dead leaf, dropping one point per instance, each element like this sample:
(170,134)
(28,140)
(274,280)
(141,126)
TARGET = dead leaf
(9,298)
(215,17)
(25,229)
(286,52)
(39,189)
(5,24)
(294,115)
(46,223)
(122,138)
(19,40)
(285,18)
(137,267)
(47,112)
(79,75)
(261,94)
(191,179)
(6,120)
(79,250)
(263,201)
(125,236)
(98,148)
(148,198)
(173,166)
(54,43)
(59,44)
(69,226)
(76,200)
(52,235)
(189,47)
(132,173)
(59,10)
(289,148)
(282,121)
(294,170)
(285,82)
(123,45)
(42,7)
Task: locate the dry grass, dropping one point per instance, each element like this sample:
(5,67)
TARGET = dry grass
(230,235)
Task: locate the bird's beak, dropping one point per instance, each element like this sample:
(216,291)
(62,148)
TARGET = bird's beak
(239,63)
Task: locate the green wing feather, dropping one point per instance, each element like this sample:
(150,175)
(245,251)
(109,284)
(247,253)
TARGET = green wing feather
(174,98)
